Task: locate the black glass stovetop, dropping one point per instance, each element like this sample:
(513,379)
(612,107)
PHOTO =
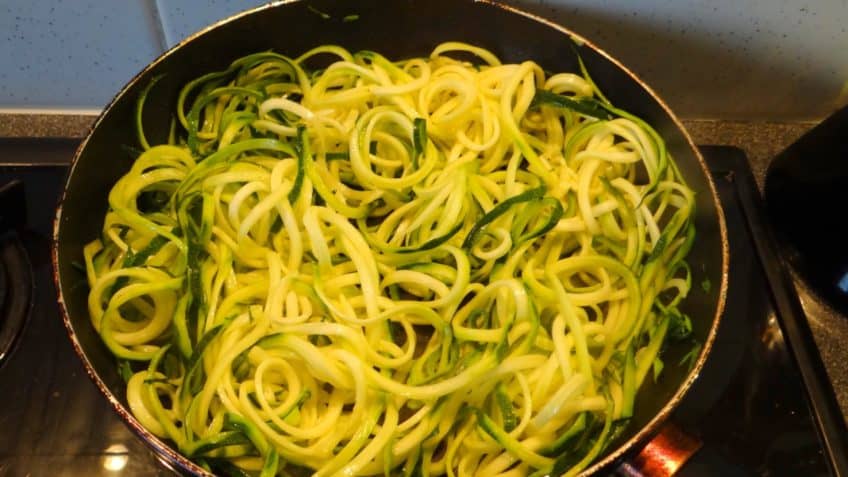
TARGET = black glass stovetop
(750,406)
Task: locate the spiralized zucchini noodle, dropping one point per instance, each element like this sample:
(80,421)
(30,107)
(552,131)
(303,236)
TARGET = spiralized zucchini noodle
(342,264)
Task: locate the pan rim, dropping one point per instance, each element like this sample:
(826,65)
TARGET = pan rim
(173,457)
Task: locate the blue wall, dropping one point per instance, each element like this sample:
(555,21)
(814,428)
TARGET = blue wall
(772,59)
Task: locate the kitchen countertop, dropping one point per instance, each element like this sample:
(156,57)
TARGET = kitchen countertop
(45,125)
(761,141)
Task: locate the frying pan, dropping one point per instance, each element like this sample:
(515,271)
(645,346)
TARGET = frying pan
(399,28)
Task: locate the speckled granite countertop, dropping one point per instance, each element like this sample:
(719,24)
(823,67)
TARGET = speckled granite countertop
(760,140)
(45,125)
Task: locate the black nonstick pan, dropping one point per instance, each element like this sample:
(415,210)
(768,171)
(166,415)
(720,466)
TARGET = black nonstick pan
(397,28)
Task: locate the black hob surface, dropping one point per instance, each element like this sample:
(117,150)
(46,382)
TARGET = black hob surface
(749,407)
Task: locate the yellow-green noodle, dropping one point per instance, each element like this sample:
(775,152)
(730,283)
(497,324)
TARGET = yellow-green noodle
(349,265)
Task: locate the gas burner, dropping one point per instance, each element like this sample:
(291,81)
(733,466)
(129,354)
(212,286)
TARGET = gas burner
(15,270)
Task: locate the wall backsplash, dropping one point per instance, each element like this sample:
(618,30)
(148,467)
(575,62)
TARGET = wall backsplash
(748,59)
(73,54)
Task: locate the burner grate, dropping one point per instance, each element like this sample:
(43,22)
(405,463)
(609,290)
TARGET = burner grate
(15,271)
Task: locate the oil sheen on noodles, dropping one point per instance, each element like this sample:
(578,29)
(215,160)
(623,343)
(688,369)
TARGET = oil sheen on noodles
(342,264)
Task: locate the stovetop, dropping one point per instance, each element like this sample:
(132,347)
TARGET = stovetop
(760,406)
